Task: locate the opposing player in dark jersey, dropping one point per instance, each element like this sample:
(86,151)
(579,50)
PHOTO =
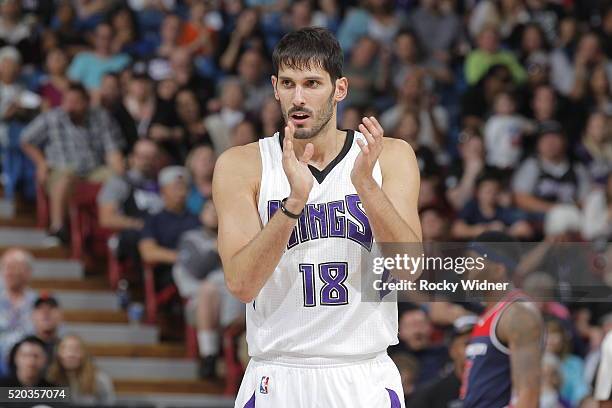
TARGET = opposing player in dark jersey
(504,354)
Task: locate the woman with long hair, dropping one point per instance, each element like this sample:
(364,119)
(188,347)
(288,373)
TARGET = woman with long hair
(73,367)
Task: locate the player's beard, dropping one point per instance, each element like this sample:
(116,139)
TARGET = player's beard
(321,117)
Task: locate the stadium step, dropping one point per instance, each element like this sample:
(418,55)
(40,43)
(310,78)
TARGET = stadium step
(57,269)
(88,284)
(162,350)
(115,333)
(85,299)
(23,237)
(143,385)
(58,252)
(7,208)
(150,368)
(176,400)
(95,316)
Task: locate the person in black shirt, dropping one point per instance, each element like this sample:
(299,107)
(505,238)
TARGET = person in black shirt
(27,362)
(444,391)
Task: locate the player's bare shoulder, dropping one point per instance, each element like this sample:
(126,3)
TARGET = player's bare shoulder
(520,321)
(238,168)
(396,152)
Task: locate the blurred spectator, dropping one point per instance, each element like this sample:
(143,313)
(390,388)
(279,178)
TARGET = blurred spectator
(544,104)
(415,332)
(444,392)
(140,102)
(551,383)
(603,385)
(17,106)
(15,30)
(110,98)
(477,101)
(127,35)
(573,388)
(56,82)
(541,286)
(376,19)
(246,34)
(70,143)
(27,362)
(460,182)
(408,368)
(327,15)
(161,233)
(605,30)
(506,16)
(595,150)
(533,46)
(126,200)
(435,225)
(438,29)
(598,213)
(408,55)
(92,10)
(219,125)
(432,116)
(184,74)
(484,213)
(89,67)
(570,75)
(73,367)
(200,279)
(170,33)
(256,84)
(65,28)
(408,129)
(200,163)
(599,90)
(549,178)
(16,299)
(298,16)
(177,132)
(362,73)
(243,134)
(199,32)
(504,133)
(47,319)
(15,99)
(489,54)
(271,119)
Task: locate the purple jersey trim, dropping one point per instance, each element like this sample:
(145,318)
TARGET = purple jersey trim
(395,402)
(251,403)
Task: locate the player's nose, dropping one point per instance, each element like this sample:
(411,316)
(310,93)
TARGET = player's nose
(298,97)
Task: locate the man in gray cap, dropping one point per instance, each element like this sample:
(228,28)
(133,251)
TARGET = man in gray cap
(162,231)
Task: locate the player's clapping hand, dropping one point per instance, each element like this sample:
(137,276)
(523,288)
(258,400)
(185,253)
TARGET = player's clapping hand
(364,164)
(297,171)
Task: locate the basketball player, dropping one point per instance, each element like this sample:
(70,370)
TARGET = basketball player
(295,211)
(504,354)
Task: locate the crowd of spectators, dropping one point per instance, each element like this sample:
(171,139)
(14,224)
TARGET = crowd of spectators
(35,350)
(507,104)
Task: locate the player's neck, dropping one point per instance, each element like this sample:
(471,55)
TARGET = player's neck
(327,145)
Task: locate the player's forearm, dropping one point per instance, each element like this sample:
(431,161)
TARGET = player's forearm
(386,223)
(528,397)
(249,269)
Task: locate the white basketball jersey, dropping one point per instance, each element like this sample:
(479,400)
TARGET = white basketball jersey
(310,309)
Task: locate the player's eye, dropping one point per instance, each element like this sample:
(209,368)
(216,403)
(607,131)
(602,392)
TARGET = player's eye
(312,83)
(287,83)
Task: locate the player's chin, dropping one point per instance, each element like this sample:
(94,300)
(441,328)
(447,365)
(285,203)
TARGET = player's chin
(303,133)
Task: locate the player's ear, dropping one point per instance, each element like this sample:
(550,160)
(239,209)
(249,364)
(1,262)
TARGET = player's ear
(341,89)
(274,80)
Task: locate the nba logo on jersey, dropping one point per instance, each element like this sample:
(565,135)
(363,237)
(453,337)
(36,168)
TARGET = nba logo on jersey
(263,387)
